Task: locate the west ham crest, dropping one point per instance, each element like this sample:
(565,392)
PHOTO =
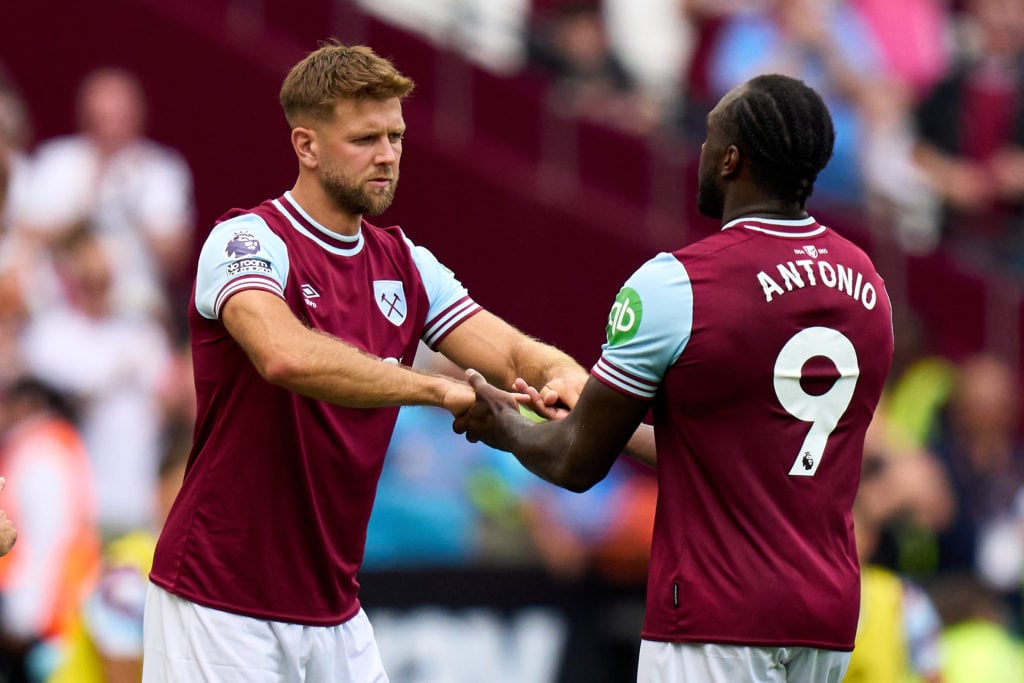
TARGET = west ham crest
(390,298)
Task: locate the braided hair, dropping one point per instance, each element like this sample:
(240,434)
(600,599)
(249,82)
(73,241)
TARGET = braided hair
(784,127)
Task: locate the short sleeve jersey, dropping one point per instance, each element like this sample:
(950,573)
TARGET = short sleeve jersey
(763,349)
(272,515)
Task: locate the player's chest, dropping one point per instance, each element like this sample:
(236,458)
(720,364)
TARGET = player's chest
(373,303)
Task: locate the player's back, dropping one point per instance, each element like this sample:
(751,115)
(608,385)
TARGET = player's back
(760,427)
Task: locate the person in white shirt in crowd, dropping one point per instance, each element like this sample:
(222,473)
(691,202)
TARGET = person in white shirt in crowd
(113,363)
(136,194)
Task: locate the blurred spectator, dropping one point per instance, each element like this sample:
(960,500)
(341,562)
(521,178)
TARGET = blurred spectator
(51,499)
(830,47)
(106,645)
(570,45)
(900,479)
(112,363)
(899,628)
(706,19)
(978,443)
(977,644)
(654,41)
(489,32)
(134,193)
(970,139)
(919,383)
(914,37)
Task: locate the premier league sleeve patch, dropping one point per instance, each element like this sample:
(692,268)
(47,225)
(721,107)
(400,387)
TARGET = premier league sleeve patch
(239,253)
(242,243)
(390,298)
(243,246)
(248,265)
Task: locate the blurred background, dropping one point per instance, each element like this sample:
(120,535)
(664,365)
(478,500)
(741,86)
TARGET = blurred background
(551,149)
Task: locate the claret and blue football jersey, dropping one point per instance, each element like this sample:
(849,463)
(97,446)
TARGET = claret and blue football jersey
(763,349)
(271,519)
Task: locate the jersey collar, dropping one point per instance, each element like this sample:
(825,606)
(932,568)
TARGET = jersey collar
(344,245)
(778,227)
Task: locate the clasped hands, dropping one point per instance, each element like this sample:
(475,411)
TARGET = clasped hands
(494,412)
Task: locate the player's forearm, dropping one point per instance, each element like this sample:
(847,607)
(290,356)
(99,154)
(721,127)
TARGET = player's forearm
(502,353)
(551,452)
(540,364)
(343,375)
(289,354)
(331,370)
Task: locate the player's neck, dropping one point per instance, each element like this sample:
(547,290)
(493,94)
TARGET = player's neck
(315,202)
(763,208)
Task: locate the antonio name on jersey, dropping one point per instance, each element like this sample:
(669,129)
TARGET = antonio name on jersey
(812,272)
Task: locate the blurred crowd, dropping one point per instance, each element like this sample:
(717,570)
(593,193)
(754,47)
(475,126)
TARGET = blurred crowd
(97,238)
(97,403)
(924,93)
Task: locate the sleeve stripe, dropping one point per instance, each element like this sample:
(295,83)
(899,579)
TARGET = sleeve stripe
(435,330)
(243,283)
(623,381)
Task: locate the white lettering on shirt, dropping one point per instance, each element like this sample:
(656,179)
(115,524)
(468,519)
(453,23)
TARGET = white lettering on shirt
(800,274)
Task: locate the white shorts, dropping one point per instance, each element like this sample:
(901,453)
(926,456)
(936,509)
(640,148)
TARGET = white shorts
(713,663)
(184,641)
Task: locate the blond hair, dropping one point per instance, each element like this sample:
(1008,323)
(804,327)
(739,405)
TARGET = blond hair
(339,72)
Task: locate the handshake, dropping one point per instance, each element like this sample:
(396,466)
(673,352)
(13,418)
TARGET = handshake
(495,414)
(568,433)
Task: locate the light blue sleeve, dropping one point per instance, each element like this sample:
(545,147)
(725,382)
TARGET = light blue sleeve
(648,327)
(240,253)
(443,288)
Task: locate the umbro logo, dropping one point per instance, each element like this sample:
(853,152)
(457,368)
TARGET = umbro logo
(309,293)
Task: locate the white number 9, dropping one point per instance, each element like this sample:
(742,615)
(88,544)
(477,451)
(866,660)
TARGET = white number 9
(824,411)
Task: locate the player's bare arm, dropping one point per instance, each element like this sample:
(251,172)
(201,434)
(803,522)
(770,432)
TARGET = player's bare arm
(574,453)
(291,355)
(502,354)
(640,446)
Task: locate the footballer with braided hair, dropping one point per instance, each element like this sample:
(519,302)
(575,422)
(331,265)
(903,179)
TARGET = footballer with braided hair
(785,128)
(761,352)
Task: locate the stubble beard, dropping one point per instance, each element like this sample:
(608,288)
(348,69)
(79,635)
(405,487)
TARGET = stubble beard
(710,201)
(356,199)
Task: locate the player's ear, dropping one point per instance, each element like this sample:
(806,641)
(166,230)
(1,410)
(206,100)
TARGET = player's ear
(306,146)
(730,161)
